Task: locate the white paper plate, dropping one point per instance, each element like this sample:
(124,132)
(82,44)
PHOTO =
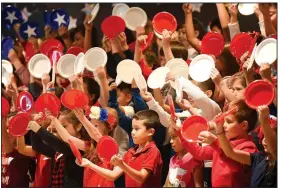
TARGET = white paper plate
(7,69)
(140,81)
(158,35)
(79,64)
(94,12)
(127,69)
(135,17)
(65,65)
(200,67)
(94,58)
(178,88)
(252,58)
(117,80)
(120,10)
(157,78)
(266,51)
(247,8)
(180,71)
(38,65)
(173,63)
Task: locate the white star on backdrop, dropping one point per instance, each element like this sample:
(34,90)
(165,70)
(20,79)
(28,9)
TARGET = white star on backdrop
(60,19)
(25,14)
(72,23)
(30,31)
(11,16)
(197,7)
(88,8)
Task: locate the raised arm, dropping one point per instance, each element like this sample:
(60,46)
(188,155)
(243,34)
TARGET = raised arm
(91,129)
(224,20)
(233,26)
(140,36)
(166,45)
(190,32)
(102,80)
(8,146)
(88,33)
(24,149)
(269,28)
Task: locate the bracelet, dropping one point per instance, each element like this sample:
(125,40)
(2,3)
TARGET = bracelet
(51,89)
(220,133)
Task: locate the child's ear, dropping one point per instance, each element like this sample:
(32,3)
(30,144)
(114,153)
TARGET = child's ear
(151,132)
(209,93)
(244,126)
(129,98)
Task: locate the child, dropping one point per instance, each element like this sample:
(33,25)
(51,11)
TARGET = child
(143,164)
(264,165)
(225,171)
(64,170)
(184,170)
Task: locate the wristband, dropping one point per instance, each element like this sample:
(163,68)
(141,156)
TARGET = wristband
(51,89)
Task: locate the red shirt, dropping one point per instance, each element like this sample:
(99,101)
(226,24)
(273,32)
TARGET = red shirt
(93,179)
(148,158)
(146,70)
(15,168)
(43,172)
(225,171)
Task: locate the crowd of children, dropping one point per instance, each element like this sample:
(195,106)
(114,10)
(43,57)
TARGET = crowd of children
(237,151)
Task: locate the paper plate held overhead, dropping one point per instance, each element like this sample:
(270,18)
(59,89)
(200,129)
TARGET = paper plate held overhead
(29,51)
(140,81)
(65,65)
(120,10)
(48,101)
(192,127)
(75,50)
(259,93)
(94,58)
(135,17)
(112,26)
(94,12)
(18,124)
(7,69)
(157,78)
(79,64)
(179,90)
(158,35)
(266,51)
(127,69)
(49,43)
(247,8)
(38,65)
(5,108)
(59,18)
(213,44)
(178,67)
(240,44)
(72,99)
(200,68)
(25,102)
(105,154)
(164,20)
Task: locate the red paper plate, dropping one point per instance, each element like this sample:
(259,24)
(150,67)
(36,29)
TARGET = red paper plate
(212,43)
(25,102)
(144,46)
(72,99)
(240,44)
(192,127)
(164,20)
(29,51)
(5,107)
(47,44)
(49,101)
(106,148)
(75,50)
(54,54)
(75,151)
(112,26)
(259,93)
(172,106)
(18,124)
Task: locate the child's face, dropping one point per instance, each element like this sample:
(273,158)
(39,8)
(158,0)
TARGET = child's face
(100,126)
(233,129)
(123,98)
(175,141)
(182,35)
(68,126)
(162,61)
(78,40)
(238,89)
(139,133)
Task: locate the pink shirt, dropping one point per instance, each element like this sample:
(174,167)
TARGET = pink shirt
(181,170)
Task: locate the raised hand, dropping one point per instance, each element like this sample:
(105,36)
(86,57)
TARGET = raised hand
(123,41)
(187,8)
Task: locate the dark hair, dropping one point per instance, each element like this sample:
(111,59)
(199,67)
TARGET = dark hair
(178,50)
(81,29)
(150,57)
(216,22)
(199,27)
(151,118)
(93,88)
(230,64)
(124,87)
(207,85)
(239,76)
(244,113)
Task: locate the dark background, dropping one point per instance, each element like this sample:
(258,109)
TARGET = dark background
(207,14)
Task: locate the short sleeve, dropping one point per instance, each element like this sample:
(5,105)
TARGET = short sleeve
(126,156)
(152,160)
